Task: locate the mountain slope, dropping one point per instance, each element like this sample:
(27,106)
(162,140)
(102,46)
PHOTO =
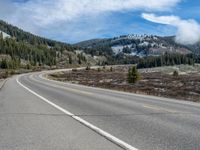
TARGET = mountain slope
(24,36)
(4,35)
(24,49)
(141,45)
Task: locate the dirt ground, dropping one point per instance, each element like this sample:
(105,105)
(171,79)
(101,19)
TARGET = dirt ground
(155,82)
(3,74)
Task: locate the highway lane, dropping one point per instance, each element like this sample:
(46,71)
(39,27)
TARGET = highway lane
(28,123)
(145,122)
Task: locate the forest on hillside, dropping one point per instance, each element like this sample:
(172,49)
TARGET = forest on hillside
(31,49)
(23,36)
(25,50)
(34,55)
(167,59)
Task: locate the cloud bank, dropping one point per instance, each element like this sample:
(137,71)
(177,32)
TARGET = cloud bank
(40,16)
(188,31)
(48,11)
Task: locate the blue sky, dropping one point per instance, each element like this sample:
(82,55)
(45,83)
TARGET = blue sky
(77,20)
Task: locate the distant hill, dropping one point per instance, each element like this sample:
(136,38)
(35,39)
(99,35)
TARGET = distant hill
(24,36)
(23,49)
(141,45)
(93,43)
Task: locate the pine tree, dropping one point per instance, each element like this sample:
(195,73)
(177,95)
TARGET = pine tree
(4,64)
(175,73)
(133,75)
(70,59)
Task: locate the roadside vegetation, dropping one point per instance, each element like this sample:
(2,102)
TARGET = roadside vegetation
(133,75)
(175,73)
(178,82)
(5,73)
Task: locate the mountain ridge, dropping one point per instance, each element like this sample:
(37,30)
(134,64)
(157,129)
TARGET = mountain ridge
(23,49)
(27,50)
(151,44)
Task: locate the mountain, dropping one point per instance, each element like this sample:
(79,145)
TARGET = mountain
(4,35)
(21,49)
(24,36)
(141,45)
(195,47)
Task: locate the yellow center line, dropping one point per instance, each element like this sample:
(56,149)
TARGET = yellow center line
(159,108)
(156,108)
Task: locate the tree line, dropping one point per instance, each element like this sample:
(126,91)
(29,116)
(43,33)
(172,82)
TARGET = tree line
(33,55)
(168,60)
(22,36)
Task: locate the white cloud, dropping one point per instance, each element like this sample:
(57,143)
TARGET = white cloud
(48,11)
(188,31)
(43,16)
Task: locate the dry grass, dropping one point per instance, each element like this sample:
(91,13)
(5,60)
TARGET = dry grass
(155,82)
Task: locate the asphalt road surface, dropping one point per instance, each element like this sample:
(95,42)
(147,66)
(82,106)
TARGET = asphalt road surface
(40,114)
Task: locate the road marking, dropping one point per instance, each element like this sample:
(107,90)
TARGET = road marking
(150,97)
(41,76)
(159,108)
(62,87)
(101,132)
(151,107)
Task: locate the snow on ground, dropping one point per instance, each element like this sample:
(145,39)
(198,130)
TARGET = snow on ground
(5,35)
(117,49)
(182,69)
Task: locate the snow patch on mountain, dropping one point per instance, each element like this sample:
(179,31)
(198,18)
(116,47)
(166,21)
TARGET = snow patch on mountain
(5,35)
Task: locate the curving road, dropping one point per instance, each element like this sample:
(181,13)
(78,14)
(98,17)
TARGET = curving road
(37,113)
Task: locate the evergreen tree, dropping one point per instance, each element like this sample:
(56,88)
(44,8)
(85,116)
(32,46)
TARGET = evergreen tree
(133,75)
(70,59)
(175,73)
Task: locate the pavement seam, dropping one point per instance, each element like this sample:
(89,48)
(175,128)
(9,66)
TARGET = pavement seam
(150,114)
(34,114)
(115,115)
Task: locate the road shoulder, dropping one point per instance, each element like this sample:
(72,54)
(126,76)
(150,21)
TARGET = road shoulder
(2,83)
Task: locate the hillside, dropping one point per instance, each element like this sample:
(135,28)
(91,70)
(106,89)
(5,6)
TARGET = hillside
(141,45)
(23,36)
(4,35)
(21,49)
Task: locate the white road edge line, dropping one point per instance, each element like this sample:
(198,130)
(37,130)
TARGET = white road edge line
(101,132)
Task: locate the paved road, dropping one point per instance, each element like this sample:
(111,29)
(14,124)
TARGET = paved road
(27,121)
(1,83)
